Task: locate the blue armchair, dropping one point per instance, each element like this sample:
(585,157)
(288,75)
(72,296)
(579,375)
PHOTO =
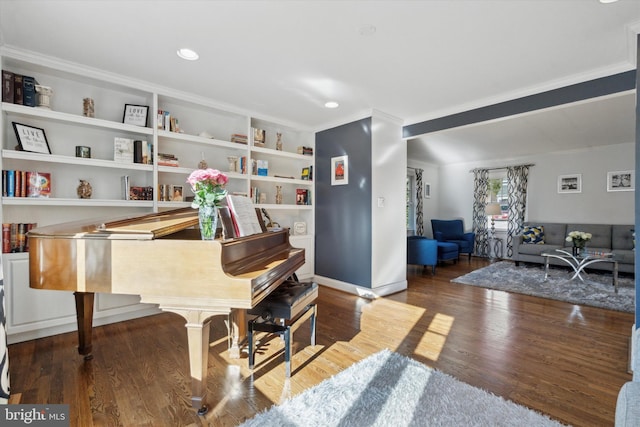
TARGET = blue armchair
(422,251)
(452,231)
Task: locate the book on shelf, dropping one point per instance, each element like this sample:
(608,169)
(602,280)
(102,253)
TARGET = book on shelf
(17,89)
(142,152)
(123,150)
(302,196)
(243,215)
(16,183)
(7,86)
(307,151)
(140,193)
(28,91)
(165,159)
(15,237)
(307,173)
(262,167)
(39,184)
(125,184)
(239,138)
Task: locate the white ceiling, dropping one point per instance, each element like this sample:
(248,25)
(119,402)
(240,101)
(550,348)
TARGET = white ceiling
(284,59)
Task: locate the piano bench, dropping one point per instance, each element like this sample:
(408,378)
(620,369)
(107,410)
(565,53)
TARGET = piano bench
(282,312)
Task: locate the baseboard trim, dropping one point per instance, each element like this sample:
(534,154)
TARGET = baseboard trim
(362,291)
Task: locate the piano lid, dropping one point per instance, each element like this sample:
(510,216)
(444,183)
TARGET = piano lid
(138,227)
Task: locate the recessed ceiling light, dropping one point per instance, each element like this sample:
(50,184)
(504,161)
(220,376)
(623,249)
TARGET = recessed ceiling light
(187,54)
(331,104)
(608,1)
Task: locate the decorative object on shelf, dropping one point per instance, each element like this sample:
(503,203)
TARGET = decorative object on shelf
(208,188)
(279,141)
(82,151)
(88,109)
(177,195)
(259,137)
(278,194)
(84,189)
(31,138)
(135,115)
(233,163)
(299,228)
(579,239)
(44,96)
(340,170)
(203,163)
(263,198)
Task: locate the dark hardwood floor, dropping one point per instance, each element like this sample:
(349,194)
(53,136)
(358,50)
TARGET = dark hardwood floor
(563,360)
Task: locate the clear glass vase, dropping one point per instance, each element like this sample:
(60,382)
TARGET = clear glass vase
(208,217)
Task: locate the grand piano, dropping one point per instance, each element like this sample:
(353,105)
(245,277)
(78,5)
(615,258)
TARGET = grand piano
(161,257)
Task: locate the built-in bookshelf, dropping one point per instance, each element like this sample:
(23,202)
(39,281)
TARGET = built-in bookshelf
(203,131)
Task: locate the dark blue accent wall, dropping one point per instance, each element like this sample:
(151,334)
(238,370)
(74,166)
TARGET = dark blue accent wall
(343,212)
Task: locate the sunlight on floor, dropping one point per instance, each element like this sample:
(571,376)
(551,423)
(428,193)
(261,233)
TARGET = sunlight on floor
(435,337)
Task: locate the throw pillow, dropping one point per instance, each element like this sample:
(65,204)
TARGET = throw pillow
(533,234)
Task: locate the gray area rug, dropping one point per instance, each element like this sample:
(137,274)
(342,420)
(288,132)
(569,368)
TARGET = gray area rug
(388,389)
(596,290)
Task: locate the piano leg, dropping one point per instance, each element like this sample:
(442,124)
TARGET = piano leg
(84,316)
(198,338)
(237,331)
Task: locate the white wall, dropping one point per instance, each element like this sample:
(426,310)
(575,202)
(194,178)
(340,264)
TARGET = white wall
(593,205)
(389,154)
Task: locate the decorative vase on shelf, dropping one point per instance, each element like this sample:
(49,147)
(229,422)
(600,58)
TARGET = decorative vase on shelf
(278,194)
(279,141)
(84,190)
(208,218)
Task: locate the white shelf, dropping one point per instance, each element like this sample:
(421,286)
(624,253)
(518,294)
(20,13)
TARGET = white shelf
(282,154)
(79,161)
(273,206)
(293,181)
(55,201)
(43,113)
(200,140)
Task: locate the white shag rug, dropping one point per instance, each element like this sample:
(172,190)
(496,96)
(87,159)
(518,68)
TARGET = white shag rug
(388,389)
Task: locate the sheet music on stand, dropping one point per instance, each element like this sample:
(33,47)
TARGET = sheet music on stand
(243,215)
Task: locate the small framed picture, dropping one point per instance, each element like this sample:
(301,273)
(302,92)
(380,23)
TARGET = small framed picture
(31,138)
(621,181)
(570,183)
(340,170)
(82,151)
(176,193)
(135,115)
(427,190)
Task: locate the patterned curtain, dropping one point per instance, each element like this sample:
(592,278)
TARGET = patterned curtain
(517,178)
(481,193)
(4,352)
(419,218)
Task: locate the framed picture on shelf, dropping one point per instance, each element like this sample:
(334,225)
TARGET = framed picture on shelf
(340,170)
(31,139)
(135,115)
(621,181)
(176,193)
(570,183)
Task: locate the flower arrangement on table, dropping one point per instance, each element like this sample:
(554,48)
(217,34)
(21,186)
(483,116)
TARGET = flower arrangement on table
(578,239)
(208,186)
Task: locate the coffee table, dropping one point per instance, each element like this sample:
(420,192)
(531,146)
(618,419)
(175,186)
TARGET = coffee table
(579,262)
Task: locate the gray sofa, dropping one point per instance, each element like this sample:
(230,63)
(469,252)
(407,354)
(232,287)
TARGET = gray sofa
(617,239)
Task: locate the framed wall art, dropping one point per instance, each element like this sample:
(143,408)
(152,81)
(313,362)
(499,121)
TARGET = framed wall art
(340,170)
(31,138)
(135,115)
(427,190)
(570,183)
(621,181)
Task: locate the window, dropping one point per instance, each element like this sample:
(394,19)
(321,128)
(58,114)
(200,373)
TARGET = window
(498,192)
(411,205)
